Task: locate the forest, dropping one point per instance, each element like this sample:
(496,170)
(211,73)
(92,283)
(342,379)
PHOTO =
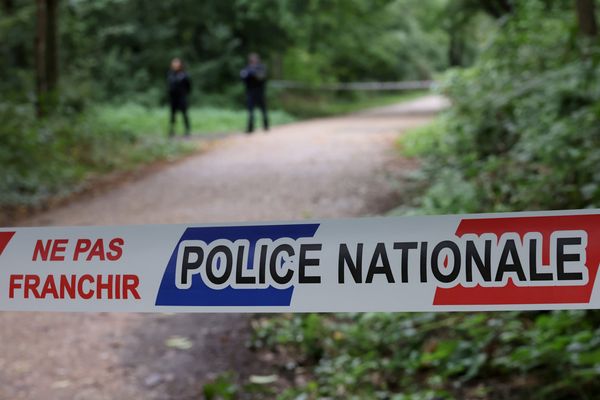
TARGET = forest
(84,82)
(83,93)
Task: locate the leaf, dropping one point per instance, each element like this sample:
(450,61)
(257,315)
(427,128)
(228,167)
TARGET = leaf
(263,379)
(61,384)
(179,342)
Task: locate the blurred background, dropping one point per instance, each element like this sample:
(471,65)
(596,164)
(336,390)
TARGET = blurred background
(88,78)
(472,106)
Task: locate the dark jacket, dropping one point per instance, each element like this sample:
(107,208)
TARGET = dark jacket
(254,77)
(179,87)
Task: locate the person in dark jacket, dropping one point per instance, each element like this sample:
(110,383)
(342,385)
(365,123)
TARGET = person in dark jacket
(179,87)
(254,76)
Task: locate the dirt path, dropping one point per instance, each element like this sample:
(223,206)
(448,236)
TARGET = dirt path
(326,168)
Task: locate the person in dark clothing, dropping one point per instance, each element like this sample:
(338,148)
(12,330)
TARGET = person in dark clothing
(179,86)
(254,76)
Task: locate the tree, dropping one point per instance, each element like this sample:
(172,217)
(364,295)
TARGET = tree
(586,17)
(15,51)
(458,23)
(497,8)
(46,55)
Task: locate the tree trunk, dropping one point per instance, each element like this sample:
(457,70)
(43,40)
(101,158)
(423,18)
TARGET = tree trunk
(9,6)
(586,17)
(52,45)
(497,8)
(456,48)
(18,56)
(41,82)
(46,54)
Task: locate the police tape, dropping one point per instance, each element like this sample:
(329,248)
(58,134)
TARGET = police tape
(518,261)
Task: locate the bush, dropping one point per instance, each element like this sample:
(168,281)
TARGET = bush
(49,157)
(141,120)
(527,355)
(524,129)
(311,103)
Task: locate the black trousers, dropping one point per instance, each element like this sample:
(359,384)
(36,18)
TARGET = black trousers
(256,99)
(182,108)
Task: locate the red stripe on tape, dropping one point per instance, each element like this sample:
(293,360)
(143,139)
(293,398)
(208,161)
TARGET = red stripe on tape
(5,237)
(512,294)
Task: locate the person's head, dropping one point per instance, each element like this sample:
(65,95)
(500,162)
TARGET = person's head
(176,64)
(253,59)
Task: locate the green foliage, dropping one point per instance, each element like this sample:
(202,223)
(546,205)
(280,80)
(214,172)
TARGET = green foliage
(544,355)
(121,49)
(16,27)
(229,386)
(366,40)
(418,142)
(523,131)
(221,388)
(155,120)
(46,158)
(307,104)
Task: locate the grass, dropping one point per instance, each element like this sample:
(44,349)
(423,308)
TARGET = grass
(419,141)
(424,356)
(311,105)
(155,121)
(53,157)
(140,120)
